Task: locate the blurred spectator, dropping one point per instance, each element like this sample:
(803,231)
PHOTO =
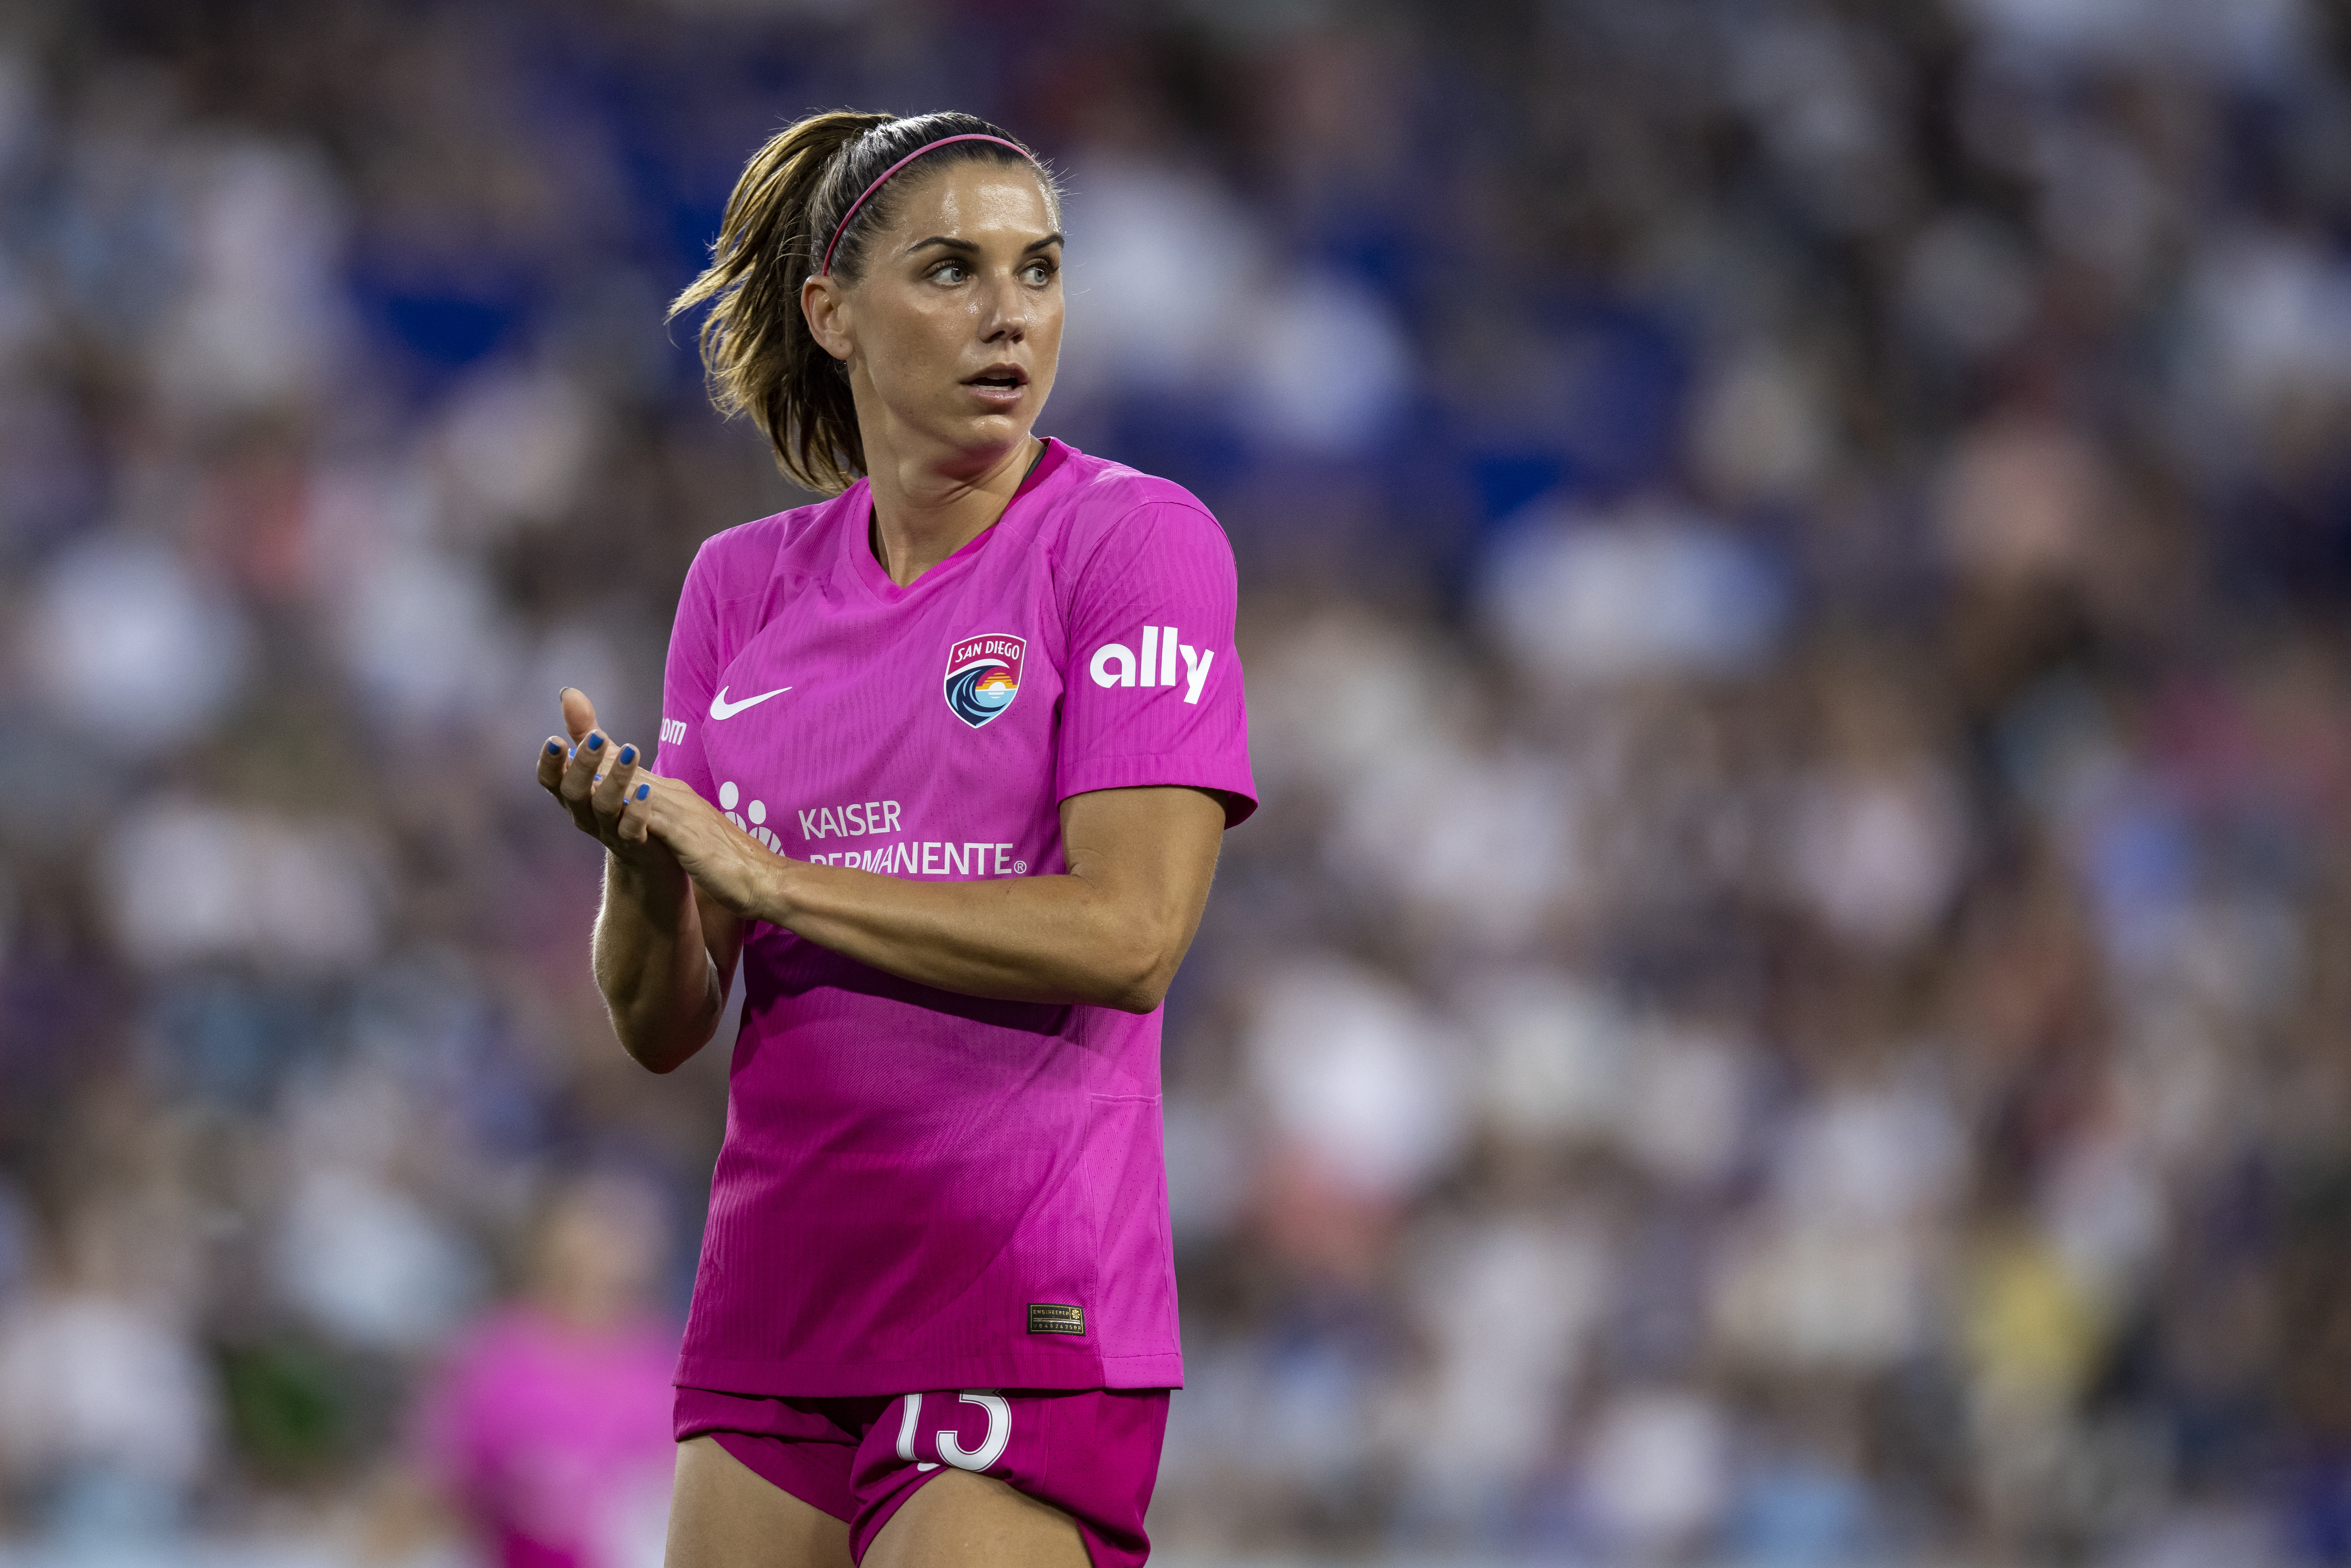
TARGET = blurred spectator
(546,1426)
(107,1408)
(128,645)
(1582,598)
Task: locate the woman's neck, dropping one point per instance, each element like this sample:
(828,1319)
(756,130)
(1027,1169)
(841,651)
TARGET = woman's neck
(923,515)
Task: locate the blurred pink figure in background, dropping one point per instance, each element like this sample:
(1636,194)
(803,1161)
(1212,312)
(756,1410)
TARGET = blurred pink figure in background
(548,1427)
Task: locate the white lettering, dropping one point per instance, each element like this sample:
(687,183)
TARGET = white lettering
(1116,664)
(672,730)
(1196,671)
(857,820)
(908,857)
(1107,655)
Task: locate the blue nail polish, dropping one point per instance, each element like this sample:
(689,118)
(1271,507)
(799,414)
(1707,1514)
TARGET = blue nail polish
(643,791)
(627,754)
(553,747)
(595,743)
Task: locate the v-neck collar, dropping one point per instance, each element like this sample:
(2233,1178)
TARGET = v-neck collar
(856,528)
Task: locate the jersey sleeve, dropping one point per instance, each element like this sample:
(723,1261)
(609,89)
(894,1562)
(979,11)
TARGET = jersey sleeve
(690,678)
(1152,694)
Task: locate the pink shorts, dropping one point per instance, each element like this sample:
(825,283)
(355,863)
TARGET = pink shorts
(1094,1453)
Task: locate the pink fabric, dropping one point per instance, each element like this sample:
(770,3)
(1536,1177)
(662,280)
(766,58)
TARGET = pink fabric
(843,226)
(557,1442)
(1093,1454)
(907,1172)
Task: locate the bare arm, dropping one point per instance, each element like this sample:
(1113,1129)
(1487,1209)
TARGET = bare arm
(664,953)
(1110,931)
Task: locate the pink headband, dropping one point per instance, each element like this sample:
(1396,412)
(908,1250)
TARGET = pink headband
(917,153)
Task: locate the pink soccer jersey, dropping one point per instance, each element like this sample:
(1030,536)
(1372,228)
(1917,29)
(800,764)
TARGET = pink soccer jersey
(920,1189)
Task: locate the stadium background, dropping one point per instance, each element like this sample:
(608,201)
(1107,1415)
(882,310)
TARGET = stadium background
(1785,1005)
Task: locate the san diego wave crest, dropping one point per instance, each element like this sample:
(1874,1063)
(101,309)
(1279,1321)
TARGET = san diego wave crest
(984,676)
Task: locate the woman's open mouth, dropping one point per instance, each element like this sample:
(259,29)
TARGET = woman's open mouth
(999,383)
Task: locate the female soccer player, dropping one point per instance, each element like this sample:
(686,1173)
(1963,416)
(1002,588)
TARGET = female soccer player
(944,762)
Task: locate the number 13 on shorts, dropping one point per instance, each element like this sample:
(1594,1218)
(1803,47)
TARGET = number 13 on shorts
(947,1442)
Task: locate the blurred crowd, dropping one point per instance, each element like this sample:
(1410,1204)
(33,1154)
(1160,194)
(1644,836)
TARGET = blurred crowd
(1781,1006)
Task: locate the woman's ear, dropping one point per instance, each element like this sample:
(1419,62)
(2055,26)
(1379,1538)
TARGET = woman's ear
(826,308)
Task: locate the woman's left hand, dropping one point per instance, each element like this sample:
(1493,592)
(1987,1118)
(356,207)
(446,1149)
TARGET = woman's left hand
(728,865)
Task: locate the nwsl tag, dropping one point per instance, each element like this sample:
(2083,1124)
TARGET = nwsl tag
(1055,1317)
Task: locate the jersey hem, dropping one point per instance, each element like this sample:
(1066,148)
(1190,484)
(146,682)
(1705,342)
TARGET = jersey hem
(839,1380)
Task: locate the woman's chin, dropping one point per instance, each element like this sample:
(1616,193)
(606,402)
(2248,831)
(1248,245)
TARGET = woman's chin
(979,434)
(993,428)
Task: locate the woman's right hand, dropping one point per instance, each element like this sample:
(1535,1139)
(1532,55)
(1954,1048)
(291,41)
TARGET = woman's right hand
(595,778)
(663,962)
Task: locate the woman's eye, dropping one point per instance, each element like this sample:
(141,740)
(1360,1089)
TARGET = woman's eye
(950,272)
(1039,274)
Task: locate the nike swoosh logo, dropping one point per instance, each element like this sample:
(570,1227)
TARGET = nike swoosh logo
(721,708)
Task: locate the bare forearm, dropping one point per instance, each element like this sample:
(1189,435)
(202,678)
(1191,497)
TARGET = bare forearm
(654,967)
(1111,932)
(1038,939)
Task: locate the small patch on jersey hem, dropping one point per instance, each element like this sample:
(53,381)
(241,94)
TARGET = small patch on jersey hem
(1046,1317)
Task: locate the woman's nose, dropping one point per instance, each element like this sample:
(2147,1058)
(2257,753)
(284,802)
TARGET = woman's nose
(1005,314)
